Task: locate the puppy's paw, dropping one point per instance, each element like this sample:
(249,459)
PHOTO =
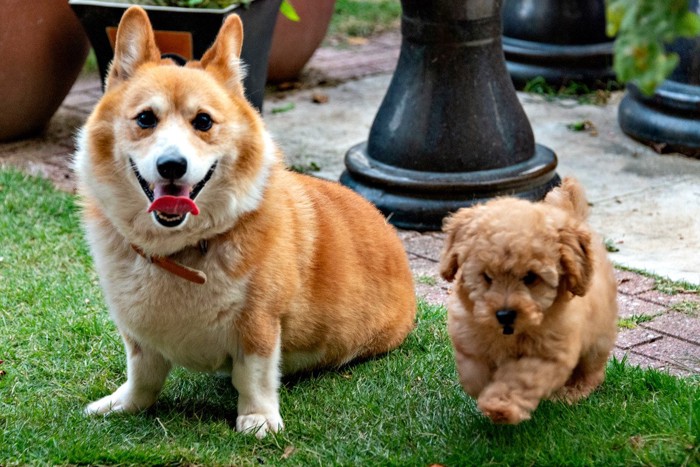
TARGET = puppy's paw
(572,394)
(259,424)
(568,395)
(502,410)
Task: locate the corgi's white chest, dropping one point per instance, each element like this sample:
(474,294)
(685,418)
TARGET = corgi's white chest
(192,325)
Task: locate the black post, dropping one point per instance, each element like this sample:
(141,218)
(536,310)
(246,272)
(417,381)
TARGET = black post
(561,40)
(450,132)
(669,120)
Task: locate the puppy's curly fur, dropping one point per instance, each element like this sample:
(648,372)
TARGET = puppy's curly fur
(533,311)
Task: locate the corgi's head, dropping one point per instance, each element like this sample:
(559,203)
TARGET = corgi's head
(173,153)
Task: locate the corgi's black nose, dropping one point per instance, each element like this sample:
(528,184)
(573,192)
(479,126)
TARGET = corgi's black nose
(171,166)
(506,317)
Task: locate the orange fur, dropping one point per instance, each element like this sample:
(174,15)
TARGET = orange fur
(302,273)
(541,261)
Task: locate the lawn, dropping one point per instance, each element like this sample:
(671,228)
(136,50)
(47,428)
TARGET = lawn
(362,18)
(60,351)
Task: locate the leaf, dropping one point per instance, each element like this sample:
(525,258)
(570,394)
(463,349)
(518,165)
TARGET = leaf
(614,15)
(288,451)
(283,108)
(287,9)
(643,29)
(689,25)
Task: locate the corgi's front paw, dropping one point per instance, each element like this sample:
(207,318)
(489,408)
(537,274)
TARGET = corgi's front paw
(109,404)
(122,400)
(259,424)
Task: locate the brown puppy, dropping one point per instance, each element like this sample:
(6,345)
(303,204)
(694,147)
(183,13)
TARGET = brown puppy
(533,311)
(211,254)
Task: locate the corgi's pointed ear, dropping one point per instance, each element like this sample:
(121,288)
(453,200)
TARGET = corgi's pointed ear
(134,46)
(223,59)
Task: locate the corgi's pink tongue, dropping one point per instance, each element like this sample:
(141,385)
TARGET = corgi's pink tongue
(174,205)
(173,201)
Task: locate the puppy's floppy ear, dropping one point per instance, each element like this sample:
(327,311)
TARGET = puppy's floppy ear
(576,258)
(455,226)
(570,197)
(223,59)
(134,46)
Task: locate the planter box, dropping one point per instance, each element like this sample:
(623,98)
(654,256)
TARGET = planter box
(187,32)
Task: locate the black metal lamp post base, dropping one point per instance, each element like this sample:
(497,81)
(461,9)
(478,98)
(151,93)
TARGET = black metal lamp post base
(559,64)
(418,200)
(450,132)
(562,41)
(669,120)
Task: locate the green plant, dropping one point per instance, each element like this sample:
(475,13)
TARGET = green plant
(426,279)
(643,28)
(572,90)
(633,321)
(686,307)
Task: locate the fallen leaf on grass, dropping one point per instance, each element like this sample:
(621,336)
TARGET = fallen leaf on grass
(288,451)
(283,108)
(659,148)
(637,442)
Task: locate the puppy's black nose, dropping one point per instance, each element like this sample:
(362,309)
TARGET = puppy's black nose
(171,166)
(506,317)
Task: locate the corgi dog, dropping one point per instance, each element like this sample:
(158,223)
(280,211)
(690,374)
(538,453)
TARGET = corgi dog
(211,254)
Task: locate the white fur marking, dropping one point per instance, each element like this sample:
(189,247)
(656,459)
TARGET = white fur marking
(257,381)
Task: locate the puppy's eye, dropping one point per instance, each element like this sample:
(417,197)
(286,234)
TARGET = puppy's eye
(487,278)
(531,279)
(202,122)
(146,119)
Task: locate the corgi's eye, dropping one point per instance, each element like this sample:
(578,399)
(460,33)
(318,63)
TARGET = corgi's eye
(487,278)
(531,279)
(146,119)
(202,122)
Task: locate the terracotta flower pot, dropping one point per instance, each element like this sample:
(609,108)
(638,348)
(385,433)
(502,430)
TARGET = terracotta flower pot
(42,49)
(294,42)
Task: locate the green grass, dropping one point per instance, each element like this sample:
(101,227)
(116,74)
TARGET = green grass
(633,321)
(664,284)
(362,18)
(597,95)
(686,307)
(60,351)
(426,279)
